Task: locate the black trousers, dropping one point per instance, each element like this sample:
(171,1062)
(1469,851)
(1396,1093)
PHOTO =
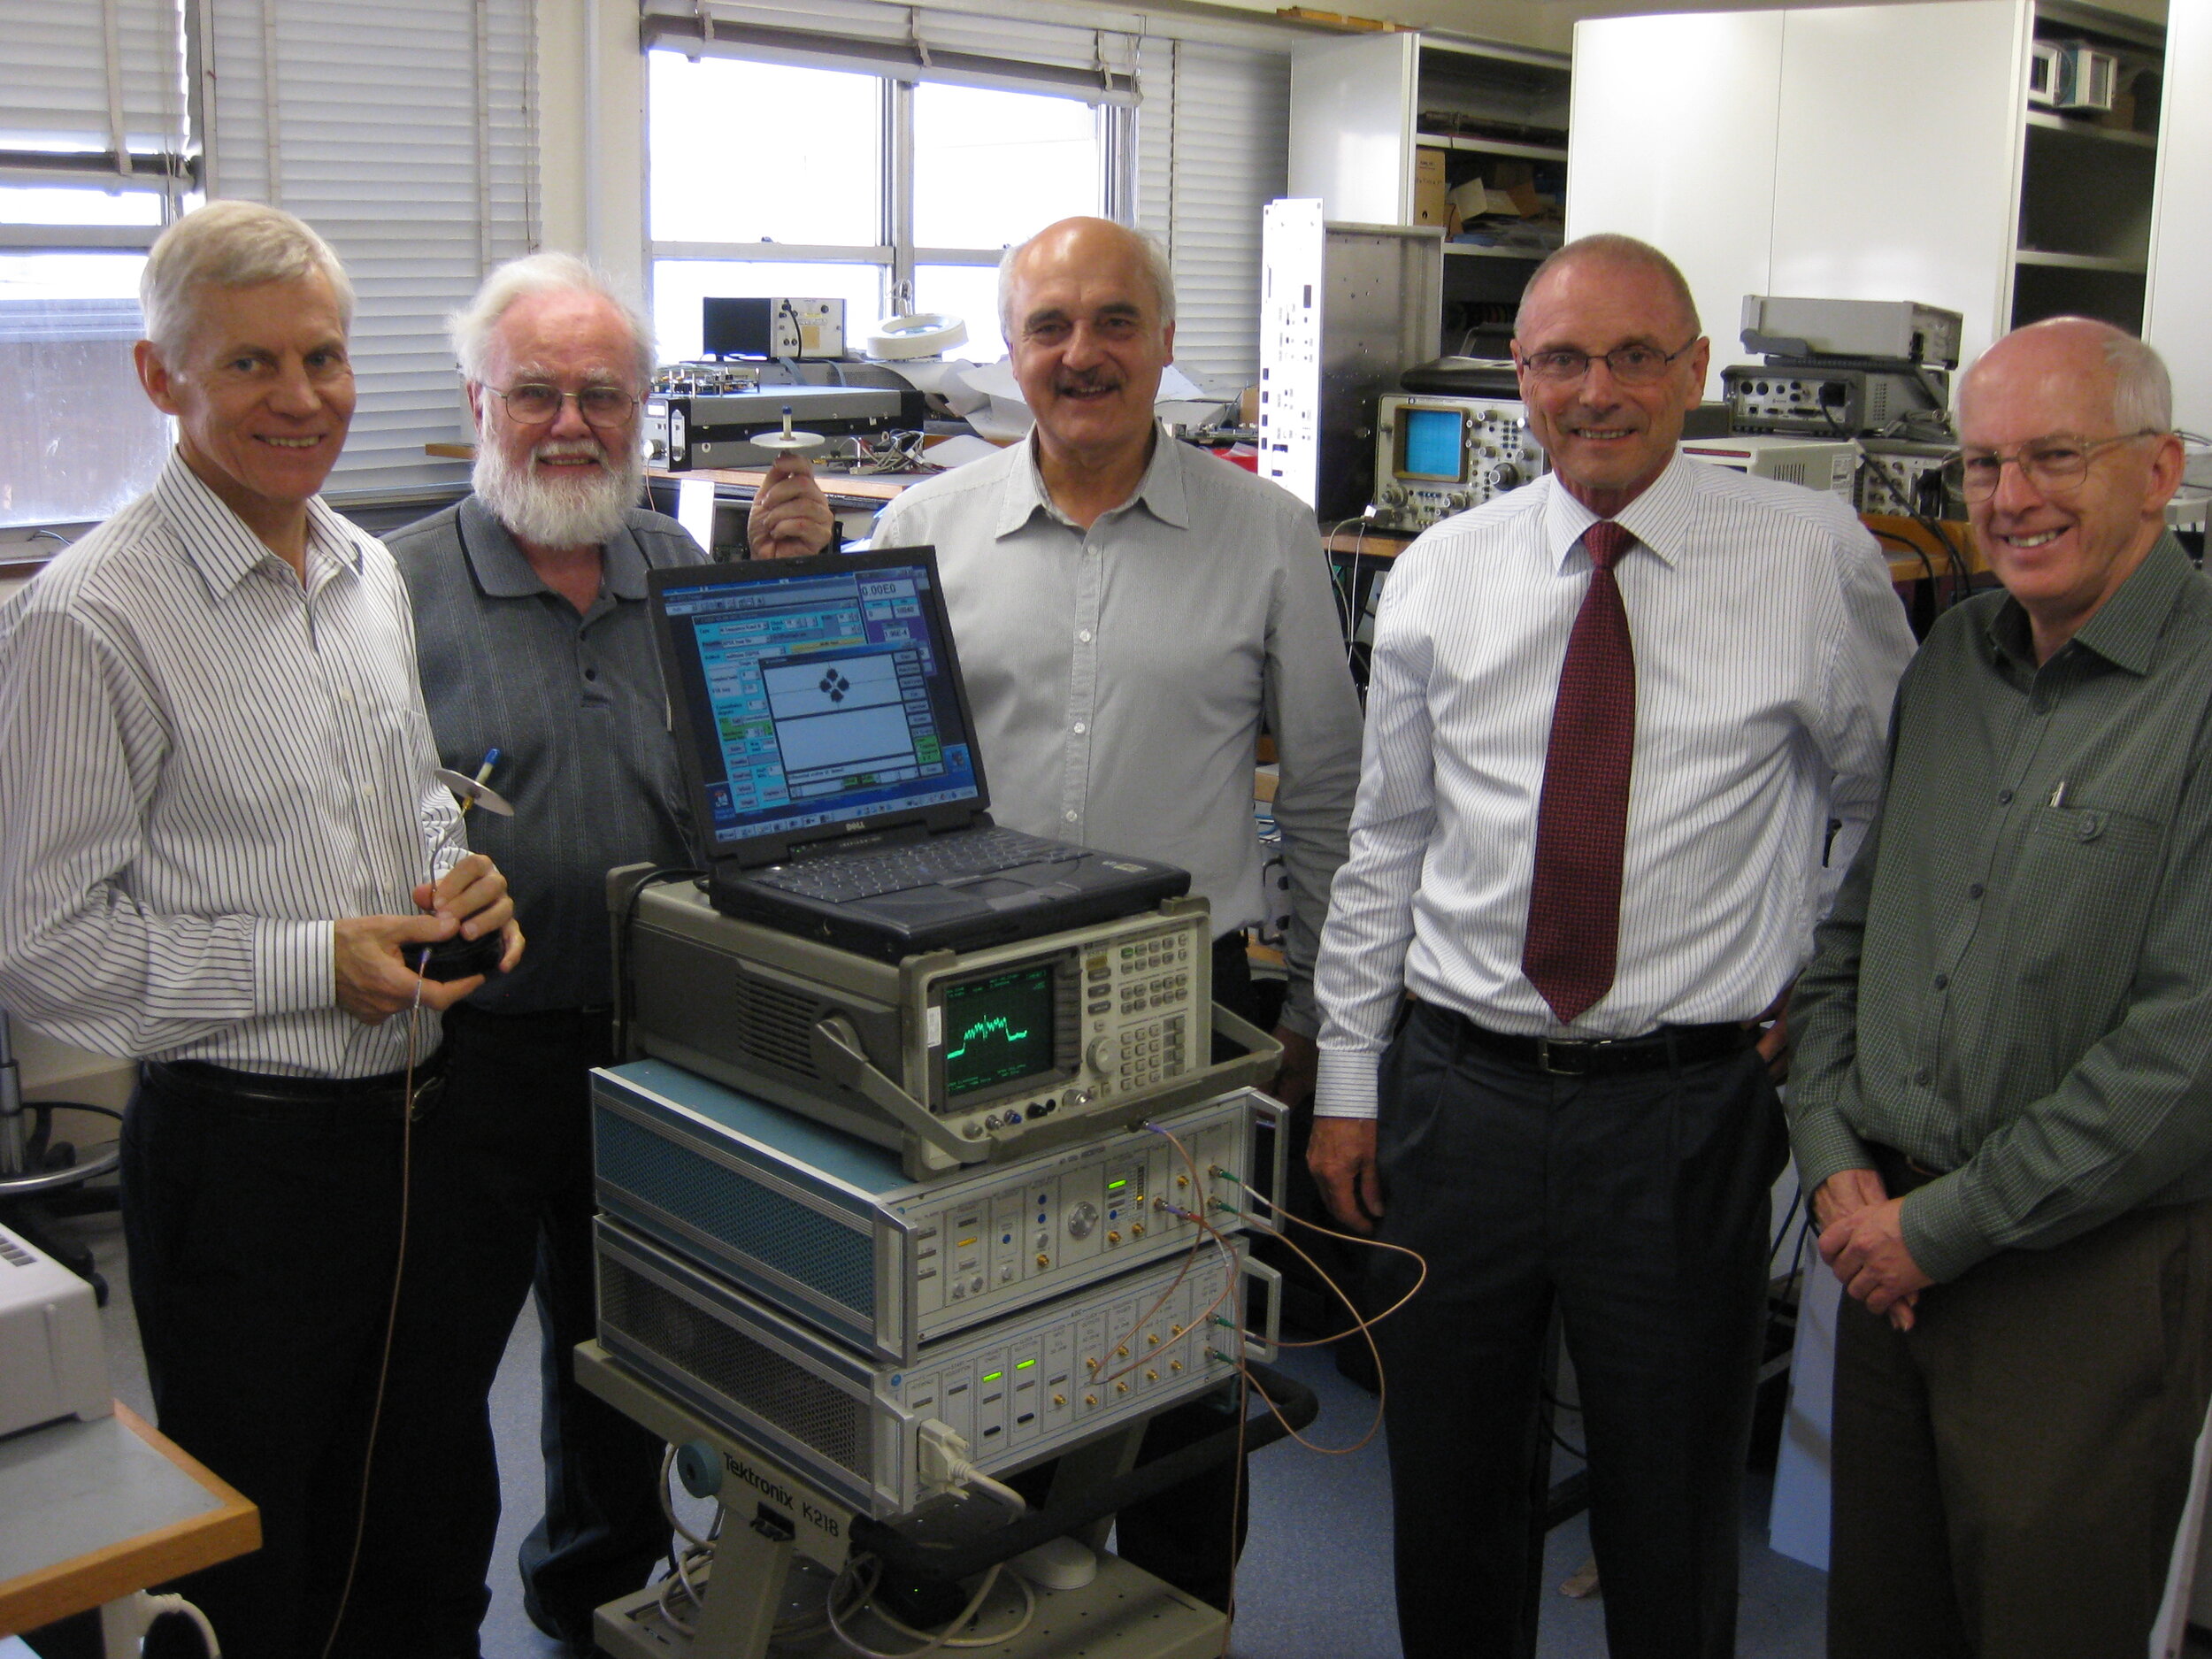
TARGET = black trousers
(2009,1474)
(263,1241)
(1636,1204)
(518,1106)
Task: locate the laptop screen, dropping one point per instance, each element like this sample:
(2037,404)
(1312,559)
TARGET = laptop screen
(815,692)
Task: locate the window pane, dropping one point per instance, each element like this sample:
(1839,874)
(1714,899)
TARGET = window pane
(992,168)
(743,152)
(46,204)
(78,439)
(968,292)
(678,285)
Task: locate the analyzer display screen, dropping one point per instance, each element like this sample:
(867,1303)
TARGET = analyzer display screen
(1432,444)
(998,1029)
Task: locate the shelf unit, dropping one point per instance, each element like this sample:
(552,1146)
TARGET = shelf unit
(1363,106)
(2088,184)
(1860,178)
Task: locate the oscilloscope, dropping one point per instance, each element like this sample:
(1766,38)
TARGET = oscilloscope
(950,1057)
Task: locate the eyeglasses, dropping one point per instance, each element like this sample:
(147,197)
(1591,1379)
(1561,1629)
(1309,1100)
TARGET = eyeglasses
(2053,465)
(535,404)
(1630,366)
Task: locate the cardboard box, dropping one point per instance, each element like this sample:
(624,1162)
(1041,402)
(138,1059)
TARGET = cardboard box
(1432,203)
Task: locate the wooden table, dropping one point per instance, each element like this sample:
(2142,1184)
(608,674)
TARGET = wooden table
(90,1512)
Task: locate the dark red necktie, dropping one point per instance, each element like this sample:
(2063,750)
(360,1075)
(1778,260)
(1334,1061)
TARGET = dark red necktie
(1574,906)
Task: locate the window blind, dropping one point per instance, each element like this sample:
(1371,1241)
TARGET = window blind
(405,133)
(1213,141)
(91,86)
(1031,53)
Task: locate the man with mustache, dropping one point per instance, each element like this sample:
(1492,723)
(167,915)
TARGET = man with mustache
(1611,716)
(529,598)
(1132,612)
(2005,1065)
(222,835)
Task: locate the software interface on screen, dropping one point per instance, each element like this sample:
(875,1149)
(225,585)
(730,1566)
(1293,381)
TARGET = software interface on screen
(818,699)
(1433,447)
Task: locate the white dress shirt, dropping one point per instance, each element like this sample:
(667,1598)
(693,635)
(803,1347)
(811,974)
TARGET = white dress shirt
(203,762)
(1118,676)
(1767,642)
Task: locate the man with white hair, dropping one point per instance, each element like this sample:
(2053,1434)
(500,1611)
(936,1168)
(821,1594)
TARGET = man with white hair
(529,598)
(2002,1097)
(225,849)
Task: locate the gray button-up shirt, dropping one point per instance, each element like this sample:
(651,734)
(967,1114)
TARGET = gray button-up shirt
(1119,676)
(2016,983)
(575,704)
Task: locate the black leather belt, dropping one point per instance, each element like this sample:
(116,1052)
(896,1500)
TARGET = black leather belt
(268,1095)
(1900,1174)
(1604,1057)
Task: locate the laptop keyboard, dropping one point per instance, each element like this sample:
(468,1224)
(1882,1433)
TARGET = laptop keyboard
(839,880)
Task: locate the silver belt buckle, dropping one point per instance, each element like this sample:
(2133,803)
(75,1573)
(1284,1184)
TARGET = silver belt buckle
(1574,1052)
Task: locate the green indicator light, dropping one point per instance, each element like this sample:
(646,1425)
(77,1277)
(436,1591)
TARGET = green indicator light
(1024,1365)
(1115,1186)
(993,1376)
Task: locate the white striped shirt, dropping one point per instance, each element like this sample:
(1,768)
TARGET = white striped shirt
(1767,642)
(203,762)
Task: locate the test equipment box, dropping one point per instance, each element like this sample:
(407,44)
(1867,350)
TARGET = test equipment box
(685,432)
(776,327)
(1903,331)
(1815,398)
(948,1058)
(830,1230)
(1021,1388)
(1830,464)
(53,1362)
(1435,456)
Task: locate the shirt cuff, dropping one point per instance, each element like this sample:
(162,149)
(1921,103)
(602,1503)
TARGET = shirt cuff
(1825,1145)
(295,966)
(1346,1084)
(1941,1236)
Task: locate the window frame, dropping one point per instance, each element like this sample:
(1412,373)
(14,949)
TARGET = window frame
(896,253)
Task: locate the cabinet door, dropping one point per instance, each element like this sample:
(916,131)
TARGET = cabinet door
(2177,315)
(1897,158)
(1351,125)
(1672,140)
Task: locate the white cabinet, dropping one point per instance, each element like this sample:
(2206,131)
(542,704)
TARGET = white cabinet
(1870,152)
(1362,107)
(2177,311)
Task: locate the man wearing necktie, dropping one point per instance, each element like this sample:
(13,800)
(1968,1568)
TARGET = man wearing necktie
(1611,716)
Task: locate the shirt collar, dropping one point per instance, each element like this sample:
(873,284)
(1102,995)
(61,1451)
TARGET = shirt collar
(502,571)
(223,549)
(2126,627)
(1659,519)
(1163,491)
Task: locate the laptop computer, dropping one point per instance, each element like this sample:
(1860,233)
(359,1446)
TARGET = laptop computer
(836,790)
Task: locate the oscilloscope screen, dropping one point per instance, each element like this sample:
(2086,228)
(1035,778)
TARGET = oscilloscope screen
(999,1029)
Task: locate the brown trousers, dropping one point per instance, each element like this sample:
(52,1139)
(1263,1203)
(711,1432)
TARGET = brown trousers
(2009,1476)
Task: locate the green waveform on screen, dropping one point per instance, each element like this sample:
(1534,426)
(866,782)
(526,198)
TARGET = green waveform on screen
(998,1026)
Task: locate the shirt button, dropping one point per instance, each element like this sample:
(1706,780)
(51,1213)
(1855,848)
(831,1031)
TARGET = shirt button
(1079,728)
(591,673)
(1975,891)
(2004,797)
(1071,817)
(1922,1077)
(1941,980)
(1085,635)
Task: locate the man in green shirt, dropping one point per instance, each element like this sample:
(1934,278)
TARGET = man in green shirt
(2001,1100)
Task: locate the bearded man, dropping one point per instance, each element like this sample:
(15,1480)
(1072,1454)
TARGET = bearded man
(535,640)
